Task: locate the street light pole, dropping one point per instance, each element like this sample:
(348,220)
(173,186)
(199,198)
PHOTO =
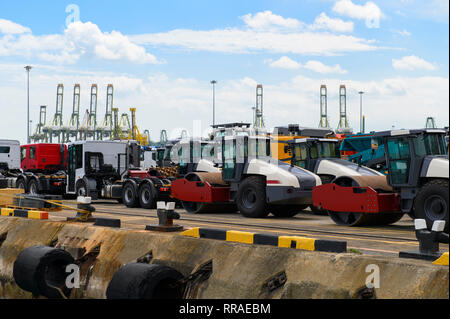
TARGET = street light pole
(28,68)
(213,82)
(360,112)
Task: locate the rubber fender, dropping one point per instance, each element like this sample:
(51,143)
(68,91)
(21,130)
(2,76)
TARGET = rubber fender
(39,269)
(145,281)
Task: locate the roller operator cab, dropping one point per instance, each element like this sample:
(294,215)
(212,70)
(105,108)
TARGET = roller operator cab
(418,168)
(250,179)
(194,155)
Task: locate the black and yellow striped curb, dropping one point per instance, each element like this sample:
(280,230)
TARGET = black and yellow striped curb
(443,260)
(24,213)
(266,239)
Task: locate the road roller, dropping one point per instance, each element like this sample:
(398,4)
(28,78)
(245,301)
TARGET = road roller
(416,183)
(317,150)
(322,157)
(250,181)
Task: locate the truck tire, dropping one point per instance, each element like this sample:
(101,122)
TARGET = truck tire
(33,186)
(130,196)
(145,281)
(39,269)
(147,196)
(251,197)
(431,203)
(22,185)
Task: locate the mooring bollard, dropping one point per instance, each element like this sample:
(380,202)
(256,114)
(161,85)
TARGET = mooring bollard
(85,210)
(166,214)
(428,240)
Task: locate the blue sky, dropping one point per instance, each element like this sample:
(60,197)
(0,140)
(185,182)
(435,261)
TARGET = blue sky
(160,56)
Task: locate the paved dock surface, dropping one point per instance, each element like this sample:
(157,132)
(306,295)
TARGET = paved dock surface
(375,240)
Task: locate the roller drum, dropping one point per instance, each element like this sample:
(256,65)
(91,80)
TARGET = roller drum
(214,179)
(378,183)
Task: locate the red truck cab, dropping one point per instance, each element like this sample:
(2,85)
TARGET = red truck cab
(43,157)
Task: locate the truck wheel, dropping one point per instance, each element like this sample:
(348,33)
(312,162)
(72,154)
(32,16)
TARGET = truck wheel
(33,187)
(129,196)
(145,281)
(147,194)
(286,210)
(81,189)
(22,185)
(251,197)
(432,204)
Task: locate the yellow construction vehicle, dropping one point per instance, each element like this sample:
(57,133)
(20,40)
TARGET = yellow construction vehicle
(282,134)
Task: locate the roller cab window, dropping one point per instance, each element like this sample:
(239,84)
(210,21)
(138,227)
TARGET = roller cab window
(324,150)
(430,144)
(300,155)
(399,159)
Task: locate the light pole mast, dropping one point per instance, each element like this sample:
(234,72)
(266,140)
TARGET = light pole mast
(360,112)
(213,82)
(28,68)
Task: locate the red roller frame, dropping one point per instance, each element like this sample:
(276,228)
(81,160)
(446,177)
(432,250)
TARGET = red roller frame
(201,192)
(354,199)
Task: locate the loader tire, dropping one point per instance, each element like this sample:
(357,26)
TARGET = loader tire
(145,281)
(431,203)
(251,197)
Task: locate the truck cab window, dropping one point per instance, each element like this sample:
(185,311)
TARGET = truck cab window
(32,152)
(23,153)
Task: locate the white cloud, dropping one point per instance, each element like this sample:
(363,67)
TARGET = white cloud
(337,25)
(268,20)
(266,31)
(319,67)
(316,66)
(412,63)
(403,33)
(9,27)
(79,39)
(369,12)
(285,63)
(245,41)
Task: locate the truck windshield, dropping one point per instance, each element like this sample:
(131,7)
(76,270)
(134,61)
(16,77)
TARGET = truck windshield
(325,150)
(430,144)
(160,155)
